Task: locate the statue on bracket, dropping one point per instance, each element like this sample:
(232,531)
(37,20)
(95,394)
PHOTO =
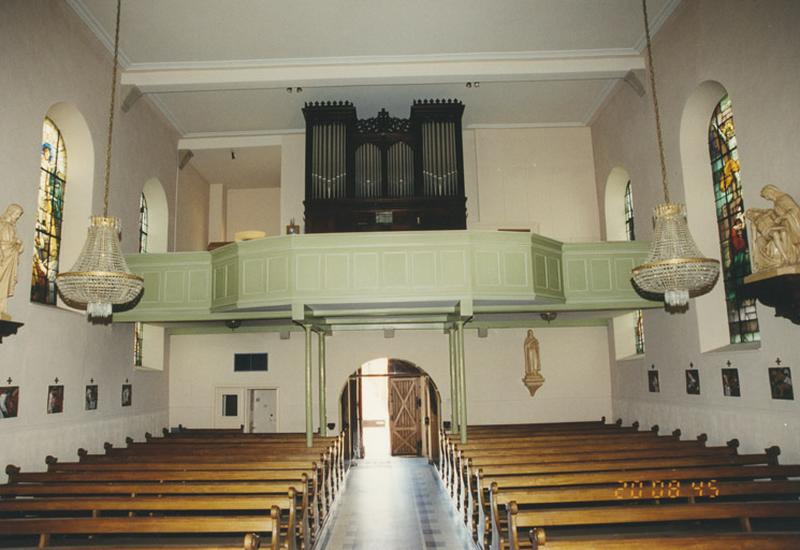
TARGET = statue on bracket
(533,379)
(10,249)
(776,231)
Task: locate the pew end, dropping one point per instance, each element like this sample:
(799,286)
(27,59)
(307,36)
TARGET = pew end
(129,441)
(12,472)
(108,446)
(676,433)
(50,460)
(252,541)
(654,428)
(703,439)
(635,425)
(772,454)
(733,444)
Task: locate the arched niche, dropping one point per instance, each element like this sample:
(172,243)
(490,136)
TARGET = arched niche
(79,188)
(618,178)
(158,215)
(710,309)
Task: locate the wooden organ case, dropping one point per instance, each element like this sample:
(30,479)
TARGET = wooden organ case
(384,173)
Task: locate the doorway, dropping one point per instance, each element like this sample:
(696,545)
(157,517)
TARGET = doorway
(392,406)
(255,409)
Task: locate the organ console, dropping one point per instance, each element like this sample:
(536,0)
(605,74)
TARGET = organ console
(384,173)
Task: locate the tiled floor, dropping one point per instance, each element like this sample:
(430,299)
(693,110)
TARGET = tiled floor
(394,504)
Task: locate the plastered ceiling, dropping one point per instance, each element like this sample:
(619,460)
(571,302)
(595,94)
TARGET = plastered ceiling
(222,68)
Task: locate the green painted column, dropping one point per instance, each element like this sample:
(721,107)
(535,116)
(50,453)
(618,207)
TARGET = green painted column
(309,394)
(323,412)
(462,381)
(453,383)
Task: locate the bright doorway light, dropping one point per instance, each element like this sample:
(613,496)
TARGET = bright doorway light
(375,408)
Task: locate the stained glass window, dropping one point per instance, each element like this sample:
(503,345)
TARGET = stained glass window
(143,224)
(629,229)
(138,328)
(630,232)
(742,319)
(49,215)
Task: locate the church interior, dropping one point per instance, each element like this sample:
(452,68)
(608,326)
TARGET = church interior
(389,272)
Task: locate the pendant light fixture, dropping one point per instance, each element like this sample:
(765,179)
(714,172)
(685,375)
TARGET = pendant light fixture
(675,267)
(100,278)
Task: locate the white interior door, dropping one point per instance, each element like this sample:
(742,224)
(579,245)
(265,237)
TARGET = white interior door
(229,407)
(263,410)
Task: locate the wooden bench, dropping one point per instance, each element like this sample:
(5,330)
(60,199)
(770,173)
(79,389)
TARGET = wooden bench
(219,489)
(44,528)
(540,520)
(706,541)
(667,491)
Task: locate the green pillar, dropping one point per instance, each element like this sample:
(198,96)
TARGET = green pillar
(462,381)
(309,394)
(323,413)
(454,419)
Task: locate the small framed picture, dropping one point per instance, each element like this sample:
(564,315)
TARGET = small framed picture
(780,382)
(692,381)
(9,401)
(127,395)
(91,397)
(730,383)
(55,399)
(652,381)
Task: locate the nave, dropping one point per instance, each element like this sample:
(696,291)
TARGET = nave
(557,486)
(394,503)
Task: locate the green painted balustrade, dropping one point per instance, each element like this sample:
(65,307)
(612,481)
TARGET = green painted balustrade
(392,272)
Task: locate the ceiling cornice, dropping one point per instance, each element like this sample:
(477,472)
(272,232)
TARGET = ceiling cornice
(656,22)
(94,25)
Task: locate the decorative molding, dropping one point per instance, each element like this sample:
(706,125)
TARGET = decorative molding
(656,23)
(96,27)
(523,125)
(539,55)
(599,101)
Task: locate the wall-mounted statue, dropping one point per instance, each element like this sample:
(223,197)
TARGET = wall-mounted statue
(10,249)
(775,232)
(533,379)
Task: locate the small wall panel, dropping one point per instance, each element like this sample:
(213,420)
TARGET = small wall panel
(395,269)
(365,271)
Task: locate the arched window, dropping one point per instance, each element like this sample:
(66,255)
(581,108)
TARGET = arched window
(630,232)
(742,318)
(143,224)
(138,328)
(49,214)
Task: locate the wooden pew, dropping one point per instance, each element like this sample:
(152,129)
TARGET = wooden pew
(219,489)
(265,523)
(707,541)
(616,515)
(665,491)
(467,479)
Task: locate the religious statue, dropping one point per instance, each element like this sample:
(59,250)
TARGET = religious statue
(776,235)
(10,249)
(533,379)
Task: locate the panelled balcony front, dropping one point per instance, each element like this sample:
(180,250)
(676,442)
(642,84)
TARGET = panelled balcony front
(386,273)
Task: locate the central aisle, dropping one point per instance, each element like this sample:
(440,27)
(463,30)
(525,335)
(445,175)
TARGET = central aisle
(394,504)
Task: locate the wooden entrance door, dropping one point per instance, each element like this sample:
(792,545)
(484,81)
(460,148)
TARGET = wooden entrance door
(404,416)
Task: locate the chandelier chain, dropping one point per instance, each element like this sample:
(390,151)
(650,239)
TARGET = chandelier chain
(111,113)
(651,73)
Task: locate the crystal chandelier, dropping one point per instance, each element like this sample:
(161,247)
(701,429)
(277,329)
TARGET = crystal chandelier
(675,267)
(100,278)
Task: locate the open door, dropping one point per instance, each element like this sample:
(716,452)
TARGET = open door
(404,419)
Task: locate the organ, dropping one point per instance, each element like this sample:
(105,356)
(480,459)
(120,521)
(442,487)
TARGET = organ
(384,173)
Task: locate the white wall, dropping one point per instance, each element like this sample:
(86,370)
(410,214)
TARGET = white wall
(761,71)
(533,178)
(253,209)
(66,63)
(577,386)
(193,197)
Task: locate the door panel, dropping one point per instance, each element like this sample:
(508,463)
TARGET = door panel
(404,416)
(263,411)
